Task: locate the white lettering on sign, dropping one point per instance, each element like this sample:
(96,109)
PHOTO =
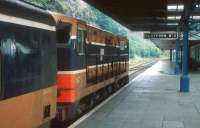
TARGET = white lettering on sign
(101,54)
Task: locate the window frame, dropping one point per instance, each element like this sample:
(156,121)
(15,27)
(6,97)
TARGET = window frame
(83,41)
(62,25)
(24,40)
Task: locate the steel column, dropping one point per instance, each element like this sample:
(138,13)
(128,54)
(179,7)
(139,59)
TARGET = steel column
(185,80)
(181,58)
(177,67)
(171,56)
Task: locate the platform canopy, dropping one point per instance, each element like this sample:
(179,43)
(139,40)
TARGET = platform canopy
(144,15)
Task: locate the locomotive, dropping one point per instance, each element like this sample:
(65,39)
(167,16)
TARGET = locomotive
(54,67)
(91,63)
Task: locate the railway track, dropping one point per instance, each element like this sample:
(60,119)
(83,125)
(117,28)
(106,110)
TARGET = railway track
(138,67)
(141,66)
(134,71)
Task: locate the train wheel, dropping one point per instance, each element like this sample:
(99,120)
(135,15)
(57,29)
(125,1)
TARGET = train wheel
(110,89)
(105,93)
(92,101)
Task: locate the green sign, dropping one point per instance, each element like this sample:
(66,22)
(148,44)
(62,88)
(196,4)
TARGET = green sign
(122,45)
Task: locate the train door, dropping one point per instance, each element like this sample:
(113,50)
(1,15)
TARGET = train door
(91,58)
(81,44)
(81,41)
(81,49)
(63,42)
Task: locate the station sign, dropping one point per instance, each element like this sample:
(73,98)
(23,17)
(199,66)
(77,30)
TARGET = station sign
(160,35)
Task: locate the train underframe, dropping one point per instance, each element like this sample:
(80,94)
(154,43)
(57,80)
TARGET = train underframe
(76,110)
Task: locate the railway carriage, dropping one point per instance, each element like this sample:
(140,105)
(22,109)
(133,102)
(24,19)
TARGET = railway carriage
(27,66)
(91,64)
(195,56)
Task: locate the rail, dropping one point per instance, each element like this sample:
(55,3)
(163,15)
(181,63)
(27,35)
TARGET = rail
(140,65)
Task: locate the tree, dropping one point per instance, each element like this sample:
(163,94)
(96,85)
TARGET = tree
(79,9)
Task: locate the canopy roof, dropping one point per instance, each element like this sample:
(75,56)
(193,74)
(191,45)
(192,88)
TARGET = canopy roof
(144,15)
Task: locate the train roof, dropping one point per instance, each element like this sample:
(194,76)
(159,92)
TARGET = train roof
(21,9)
(119,36)
(64,18)
(99,28)
(61,17)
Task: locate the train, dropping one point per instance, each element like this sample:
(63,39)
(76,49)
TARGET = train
(54,68)
(28,66)
(96,62)
(194,56)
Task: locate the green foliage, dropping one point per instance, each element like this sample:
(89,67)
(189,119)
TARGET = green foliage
(81,10)
(141,47)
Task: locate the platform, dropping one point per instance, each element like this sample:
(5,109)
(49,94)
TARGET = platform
(152,100)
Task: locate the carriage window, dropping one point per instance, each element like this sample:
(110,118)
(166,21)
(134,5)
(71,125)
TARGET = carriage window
(63,33)
(26,54)
(81,41)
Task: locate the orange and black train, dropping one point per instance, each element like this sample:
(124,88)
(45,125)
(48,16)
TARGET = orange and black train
(53,67)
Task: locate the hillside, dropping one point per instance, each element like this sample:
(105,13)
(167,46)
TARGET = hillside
(79,9)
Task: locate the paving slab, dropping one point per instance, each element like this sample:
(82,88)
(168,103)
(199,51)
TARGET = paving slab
(152,100)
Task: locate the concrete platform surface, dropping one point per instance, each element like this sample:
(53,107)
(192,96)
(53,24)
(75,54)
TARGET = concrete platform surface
(151,101)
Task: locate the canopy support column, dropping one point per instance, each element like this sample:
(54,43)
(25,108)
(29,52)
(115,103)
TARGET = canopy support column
(185,80)
(171,56)
(177,67)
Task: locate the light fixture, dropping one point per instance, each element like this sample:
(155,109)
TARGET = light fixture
(171,17)
(172,23)
(175,7)
(180,7)
(197,5)
(195,17)
(178,17)
(171,7)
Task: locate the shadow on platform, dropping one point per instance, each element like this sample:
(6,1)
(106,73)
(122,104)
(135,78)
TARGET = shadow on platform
(152,100)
